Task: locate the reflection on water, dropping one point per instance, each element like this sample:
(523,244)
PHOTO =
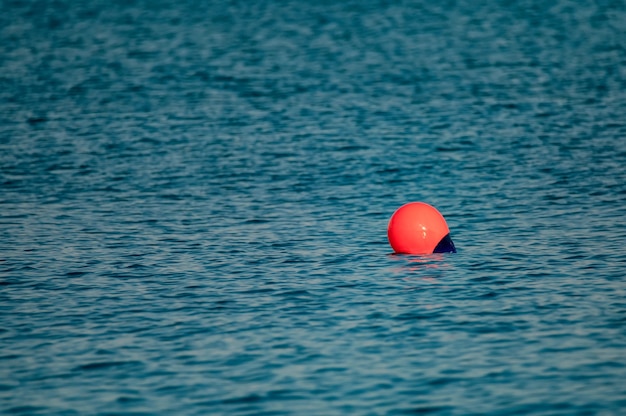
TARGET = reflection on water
(419,264)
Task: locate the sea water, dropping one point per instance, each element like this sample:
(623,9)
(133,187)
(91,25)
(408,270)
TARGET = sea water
(194,199)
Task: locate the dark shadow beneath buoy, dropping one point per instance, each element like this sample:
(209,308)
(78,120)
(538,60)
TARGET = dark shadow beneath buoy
(445,245)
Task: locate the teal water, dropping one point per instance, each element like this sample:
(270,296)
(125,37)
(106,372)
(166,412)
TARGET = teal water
(194,201)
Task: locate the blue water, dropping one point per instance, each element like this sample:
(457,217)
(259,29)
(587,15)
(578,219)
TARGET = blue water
(194,201)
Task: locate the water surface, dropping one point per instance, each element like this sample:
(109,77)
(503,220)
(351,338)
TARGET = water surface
(194,201)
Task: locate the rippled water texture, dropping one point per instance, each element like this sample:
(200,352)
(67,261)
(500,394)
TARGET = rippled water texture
(194,201)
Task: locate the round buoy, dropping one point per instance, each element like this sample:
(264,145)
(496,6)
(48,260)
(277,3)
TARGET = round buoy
(418,228)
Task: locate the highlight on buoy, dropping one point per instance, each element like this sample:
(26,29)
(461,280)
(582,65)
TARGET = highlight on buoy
(418,228)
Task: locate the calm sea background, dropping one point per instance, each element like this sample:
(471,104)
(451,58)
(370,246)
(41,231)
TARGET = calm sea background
(194,199)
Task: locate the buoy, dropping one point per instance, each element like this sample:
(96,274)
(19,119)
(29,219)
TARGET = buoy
(418,228)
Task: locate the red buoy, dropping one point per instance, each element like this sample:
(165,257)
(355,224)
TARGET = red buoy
(418,228)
